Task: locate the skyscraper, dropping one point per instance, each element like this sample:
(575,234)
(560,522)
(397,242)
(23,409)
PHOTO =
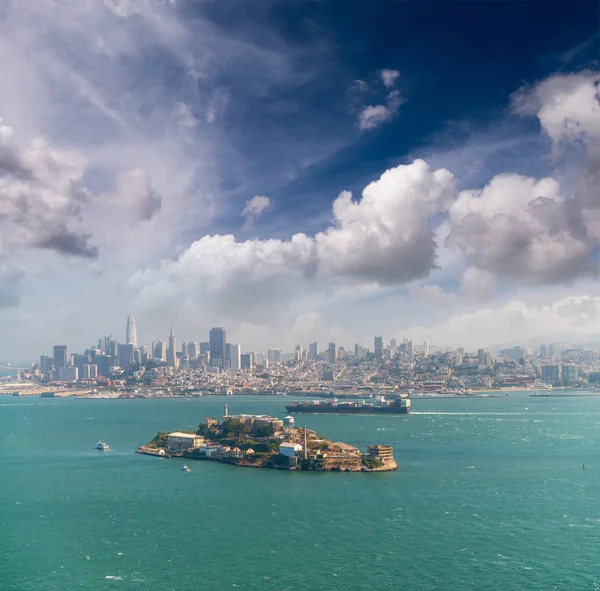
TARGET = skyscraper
(60,357)
(217,339)
(313,351)
(131,334)
(425,348)
(235,357)
(172,350)
(332,353)
(378,347)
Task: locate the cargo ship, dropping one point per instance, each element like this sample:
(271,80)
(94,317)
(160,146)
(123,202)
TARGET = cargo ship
(380,405)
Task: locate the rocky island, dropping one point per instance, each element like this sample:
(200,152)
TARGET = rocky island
(261,441)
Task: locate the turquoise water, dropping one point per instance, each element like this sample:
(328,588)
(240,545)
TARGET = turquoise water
(491,494)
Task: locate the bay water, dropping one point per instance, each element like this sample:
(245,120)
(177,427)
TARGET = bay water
(491,494)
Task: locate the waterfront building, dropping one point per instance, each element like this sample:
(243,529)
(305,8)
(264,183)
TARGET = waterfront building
(551,374)
(570,374)
(289,449)
(68,374)
(378,349)
(235,355)
(131,333)
(60,357)
(313,351)
(217,339)
(384,453)
(179,442)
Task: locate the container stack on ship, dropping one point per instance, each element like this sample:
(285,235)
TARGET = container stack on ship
(380,405)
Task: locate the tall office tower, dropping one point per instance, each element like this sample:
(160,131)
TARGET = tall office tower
(313,351)
(204,347)
(481,356)
(131,334)
(46,363)
(298,353)
(125,355)
(192,350)
(332,353)
(81,360)
(172,350)
(410,349)
(543,351)
(247,361)
(60,357)
(235,357)
(378,350)
(217,339)
(551,351)
(159,350)
(275,356)
(425,348)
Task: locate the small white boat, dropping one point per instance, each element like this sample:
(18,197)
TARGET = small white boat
(185,469)
(102,446)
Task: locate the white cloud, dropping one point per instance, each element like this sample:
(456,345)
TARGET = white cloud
(567,106)
(384,238)
(254,208)
(373,116)
(515,321)
(389,77)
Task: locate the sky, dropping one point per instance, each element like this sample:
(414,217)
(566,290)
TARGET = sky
(299,171)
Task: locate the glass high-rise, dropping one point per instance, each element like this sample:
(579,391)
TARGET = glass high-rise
(217,339)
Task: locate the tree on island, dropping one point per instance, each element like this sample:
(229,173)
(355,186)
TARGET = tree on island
(235,429)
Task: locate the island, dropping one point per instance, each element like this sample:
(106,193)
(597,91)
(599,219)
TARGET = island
(262,441)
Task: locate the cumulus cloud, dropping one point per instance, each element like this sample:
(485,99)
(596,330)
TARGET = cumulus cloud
(513,322)
(520,228)
(42,197)
(254,208)
(389,77)
(384,238)
(567,106)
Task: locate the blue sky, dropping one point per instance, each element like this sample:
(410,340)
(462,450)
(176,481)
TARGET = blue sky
(137,133)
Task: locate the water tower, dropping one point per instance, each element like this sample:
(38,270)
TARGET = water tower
(288,426)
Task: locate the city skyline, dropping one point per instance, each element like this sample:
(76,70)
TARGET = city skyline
(291,193)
